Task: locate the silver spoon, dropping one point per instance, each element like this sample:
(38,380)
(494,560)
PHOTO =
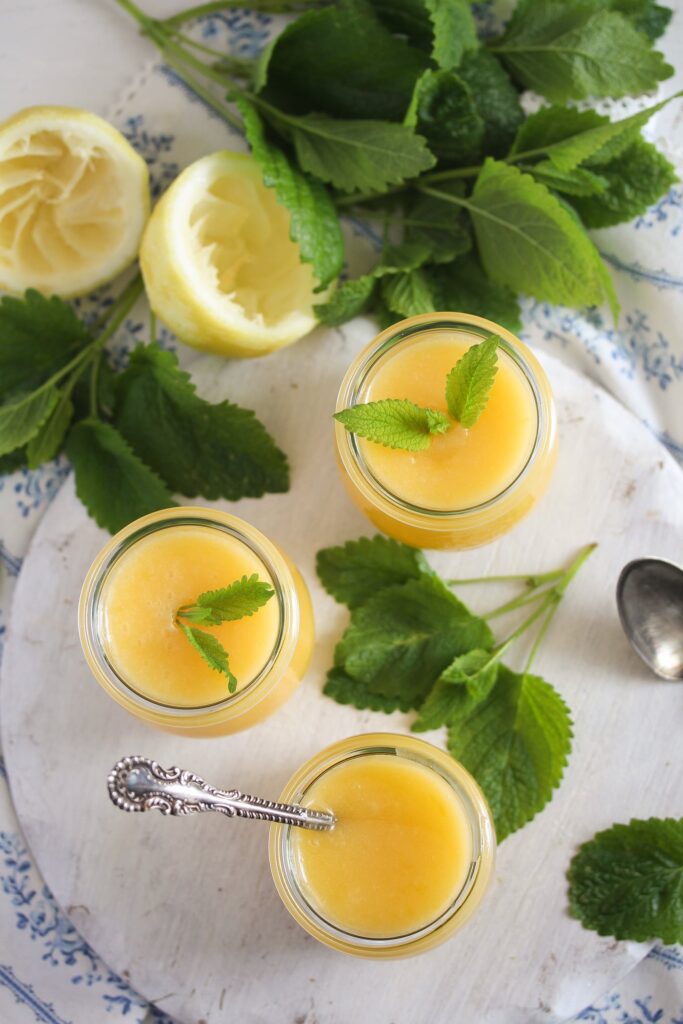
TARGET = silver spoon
(139,784)
(650,603)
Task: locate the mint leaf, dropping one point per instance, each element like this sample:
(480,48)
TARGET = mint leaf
(346,690)
(22,417)
(400,641)
(394,423)
(495,98)
(579,182)
(443,110)
(240,599)
(464,286)
(357,570)
(349,300)
(217,451)
(469,383)
(112,481)
(596,141)
(410,293)
(515,742)
(454,31)
(634,180)
(212,651)
(342,61)
(314,221)
(574,52)
(357,155)
(628,881)
(38,336)
(45,444)
(528,241)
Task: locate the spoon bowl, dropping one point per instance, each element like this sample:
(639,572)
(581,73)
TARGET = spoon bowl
(650,604)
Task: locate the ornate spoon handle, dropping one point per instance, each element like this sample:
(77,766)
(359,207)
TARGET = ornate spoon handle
(140,784)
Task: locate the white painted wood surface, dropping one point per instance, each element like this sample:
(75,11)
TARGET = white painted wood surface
(186,908)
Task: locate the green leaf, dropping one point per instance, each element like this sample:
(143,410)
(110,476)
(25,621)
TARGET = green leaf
(22,417)
(628,881)
(634,181)
(465,683)
(314,222)
(217,451)
(394,423)
(645,15)
(112,481)
(495,98)
(346,690)
(469,383)
(240,599)
(13,461)
(454,31)
(465,287)
(44,445)
(443,110)
(357,570)
(476,671)
(410,293)
(579,182)
(440,227)
(515,742)
(343,62)
(38,336)
(212,651)
(577,51)
(528,240)
(572,137)
(358,155)
(409,18)
(400,641)
(349,300)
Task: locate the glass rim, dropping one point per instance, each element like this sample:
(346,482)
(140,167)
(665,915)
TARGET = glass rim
(412,749)
(406,330)
(89,610)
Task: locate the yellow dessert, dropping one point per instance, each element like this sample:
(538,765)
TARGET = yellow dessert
(143,592)
(400,851)
(140,656)
(462,468)
(471,484)
(410,855)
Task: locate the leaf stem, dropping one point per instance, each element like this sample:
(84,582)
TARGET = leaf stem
(94,371)
(517,602)
(234,65)
(265,6)
(536,580)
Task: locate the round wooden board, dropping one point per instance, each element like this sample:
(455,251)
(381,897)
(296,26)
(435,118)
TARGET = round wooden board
(185,908)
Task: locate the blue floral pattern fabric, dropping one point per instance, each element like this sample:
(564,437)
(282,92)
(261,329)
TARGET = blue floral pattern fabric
(48,973)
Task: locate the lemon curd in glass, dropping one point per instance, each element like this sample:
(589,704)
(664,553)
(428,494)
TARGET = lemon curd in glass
(144,661)
(472,484)
(408,859)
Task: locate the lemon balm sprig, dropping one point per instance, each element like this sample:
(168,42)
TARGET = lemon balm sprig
(400,423)
(240,599)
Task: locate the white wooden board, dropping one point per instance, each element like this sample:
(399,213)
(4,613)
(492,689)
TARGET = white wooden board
(185,908)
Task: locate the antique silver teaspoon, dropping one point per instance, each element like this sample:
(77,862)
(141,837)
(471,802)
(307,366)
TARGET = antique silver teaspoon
(140,784)
(650,603)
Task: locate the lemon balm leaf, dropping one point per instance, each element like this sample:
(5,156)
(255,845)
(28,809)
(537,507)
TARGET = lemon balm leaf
(22,417)
(454,31)
(212,651)
(314,221)
(346,690)
(394,423)
(199,448)
(515,742)
(354,572)
(349,300)
(44,445)
(628,881)
(461,686)
(469,383)
(240,599)
(112,481)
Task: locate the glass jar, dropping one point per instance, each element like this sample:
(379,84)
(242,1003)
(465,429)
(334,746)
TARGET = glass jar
(462,527)
(257,697)
(287,873)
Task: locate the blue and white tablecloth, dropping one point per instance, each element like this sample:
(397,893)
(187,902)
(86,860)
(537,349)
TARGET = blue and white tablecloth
(47,972)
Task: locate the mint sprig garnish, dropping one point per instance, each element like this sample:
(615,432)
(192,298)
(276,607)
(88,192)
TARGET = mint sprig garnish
(399,423)
(411,644)
(469,383)
(628,881)
(240,599)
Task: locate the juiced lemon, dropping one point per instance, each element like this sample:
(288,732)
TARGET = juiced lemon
(74,199)
(219,266)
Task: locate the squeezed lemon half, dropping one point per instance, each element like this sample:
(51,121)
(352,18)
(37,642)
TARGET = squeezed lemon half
(219,266)
(74,199)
